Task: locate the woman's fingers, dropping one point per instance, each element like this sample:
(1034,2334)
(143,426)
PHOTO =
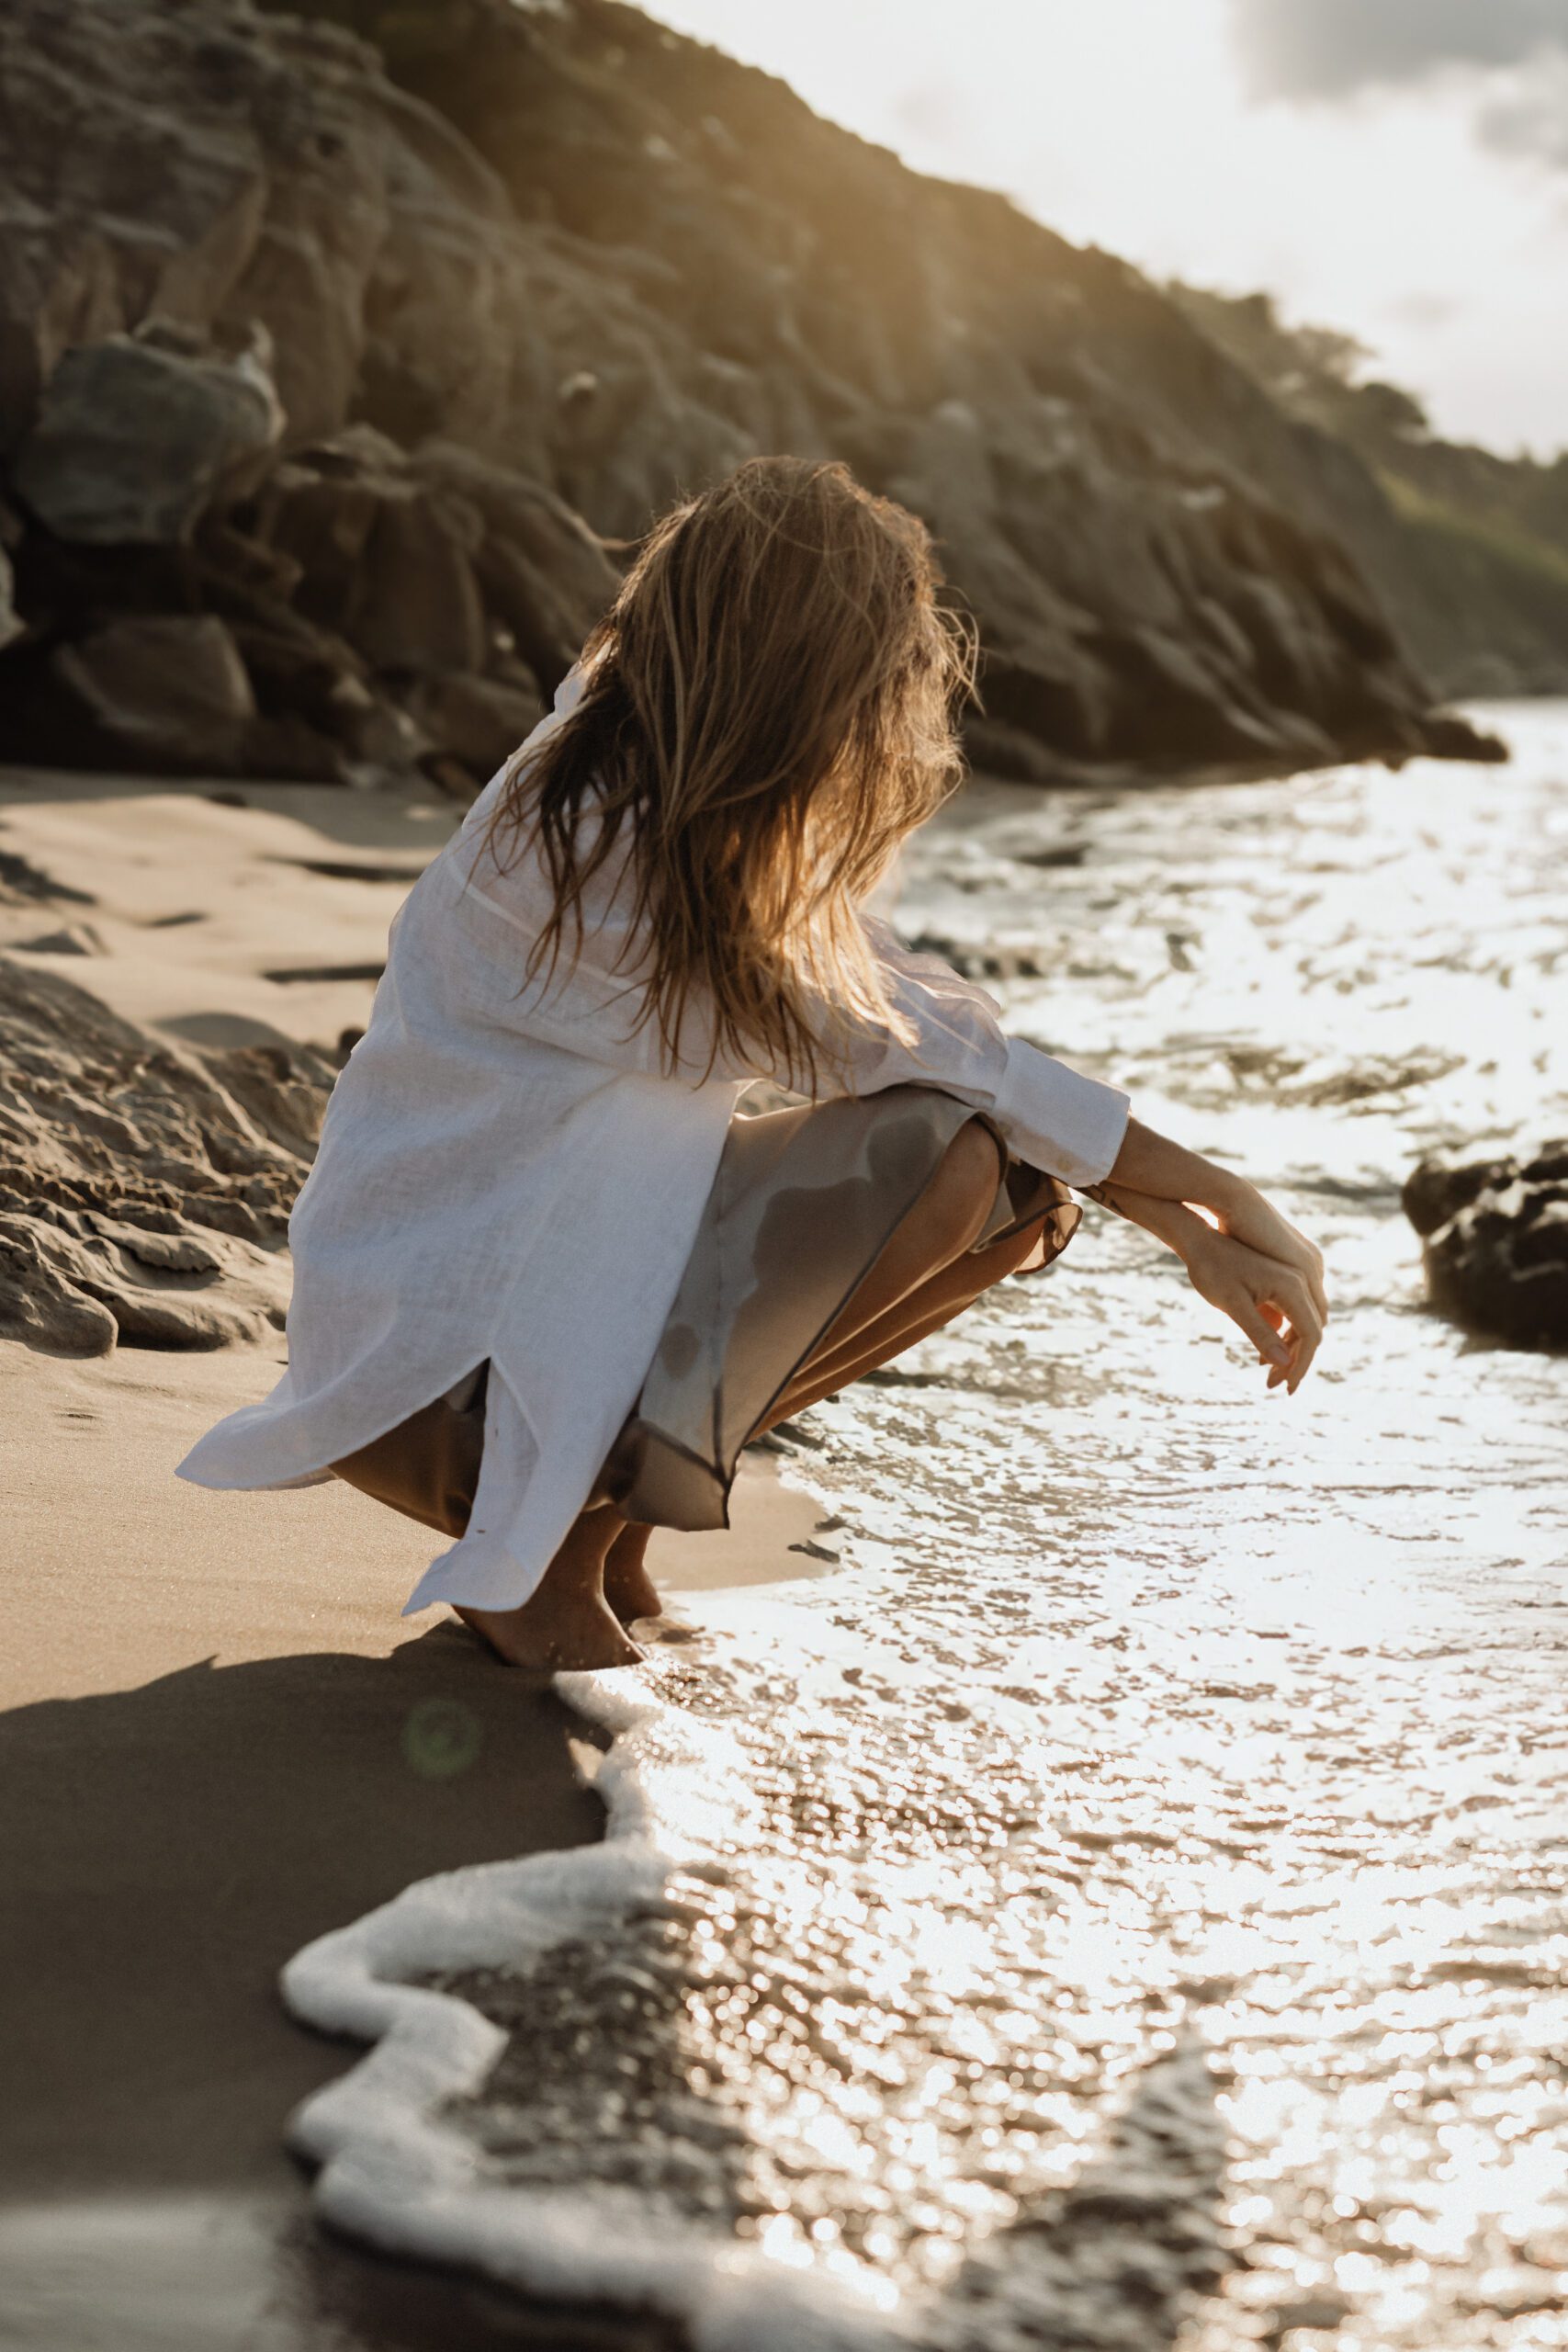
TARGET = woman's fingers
(1283,1324)
(1301,1311)
(1301,1308)
(1273,1303)
(1305,1260)
(1249,1317)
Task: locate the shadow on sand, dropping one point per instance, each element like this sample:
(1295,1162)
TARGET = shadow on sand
(165,1849)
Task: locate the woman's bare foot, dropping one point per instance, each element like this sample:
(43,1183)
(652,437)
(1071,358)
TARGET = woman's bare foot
(568,1624)
(629,1590)
(583,1634)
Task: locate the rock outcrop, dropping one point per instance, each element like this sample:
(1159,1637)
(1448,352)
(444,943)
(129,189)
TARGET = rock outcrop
(138,434)
(1494,1242)
(144,1193)
(370,331)
(1468,549)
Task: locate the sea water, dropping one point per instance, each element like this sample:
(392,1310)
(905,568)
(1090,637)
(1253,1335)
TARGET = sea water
(1122,1901)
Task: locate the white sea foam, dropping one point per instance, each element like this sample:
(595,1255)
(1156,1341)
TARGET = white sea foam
(678,1799)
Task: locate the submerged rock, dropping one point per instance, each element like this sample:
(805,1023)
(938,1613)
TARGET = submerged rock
(144,1193)
(1494,1242)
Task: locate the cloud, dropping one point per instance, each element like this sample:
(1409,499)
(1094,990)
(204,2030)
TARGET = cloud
(1529,117)
(1332,49)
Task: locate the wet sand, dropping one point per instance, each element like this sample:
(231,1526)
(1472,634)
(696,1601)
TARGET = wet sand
(218,1739)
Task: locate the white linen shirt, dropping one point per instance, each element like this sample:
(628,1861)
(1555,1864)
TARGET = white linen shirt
(507,1173)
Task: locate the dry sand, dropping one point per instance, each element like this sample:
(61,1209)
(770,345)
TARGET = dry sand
(218,1738)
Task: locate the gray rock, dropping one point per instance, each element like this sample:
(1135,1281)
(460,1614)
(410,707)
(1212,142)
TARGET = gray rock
(138,435)
(163,693)
(545,574)
(386,559)
(1495,1244)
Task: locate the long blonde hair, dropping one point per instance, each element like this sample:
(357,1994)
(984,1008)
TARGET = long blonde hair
(768,710)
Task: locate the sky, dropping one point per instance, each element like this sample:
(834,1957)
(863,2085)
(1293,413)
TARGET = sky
(1394,168)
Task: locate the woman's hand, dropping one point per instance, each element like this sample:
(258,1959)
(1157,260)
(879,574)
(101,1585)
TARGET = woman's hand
(1246,1216)
(1273,1303)
(1152,1165)
(1281,1306)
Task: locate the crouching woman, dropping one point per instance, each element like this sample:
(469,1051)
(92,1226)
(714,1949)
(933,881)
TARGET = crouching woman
(548,1280)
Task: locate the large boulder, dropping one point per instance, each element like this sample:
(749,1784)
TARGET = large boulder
(1494,1242)
(144,1193)
(161,693)
(225,170)
(545,575)
(478,722)
(437,592)
(384,562)
(140,435)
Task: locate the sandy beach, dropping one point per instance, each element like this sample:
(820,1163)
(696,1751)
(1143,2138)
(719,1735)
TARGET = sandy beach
(219,1738)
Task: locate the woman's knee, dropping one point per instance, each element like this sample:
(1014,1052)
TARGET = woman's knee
(963,1192)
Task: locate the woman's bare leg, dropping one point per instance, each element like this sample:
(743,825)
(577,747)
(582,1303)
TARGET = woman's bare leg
(938,1233)
(915,1316)
(629,1590)
(567,1623)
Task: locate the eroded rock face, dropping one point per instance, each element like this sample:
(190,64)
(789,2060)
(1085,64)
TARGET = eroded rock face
(144,1193)
(138,433)
(1494,1242)
(522,275)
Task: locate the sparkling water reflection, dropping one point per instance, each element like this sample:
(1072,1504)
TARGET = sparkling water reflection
(1125,1903)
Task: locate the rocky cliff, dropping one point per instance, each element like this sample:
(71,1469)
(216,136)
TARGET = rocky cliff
(340,348)
(1468,549)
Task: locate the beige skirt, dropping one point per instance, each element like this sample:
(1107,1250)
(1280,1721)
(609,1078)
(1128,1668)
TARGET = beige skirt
(803,1204)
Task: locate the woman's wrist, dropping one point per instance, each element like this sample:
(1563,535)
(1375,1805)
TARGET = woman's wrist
(1227,1193)
(1169,1221)
(1152,1165)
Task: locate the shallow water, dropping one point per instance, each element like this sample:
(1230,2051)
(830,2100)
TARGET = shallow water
(1124,1902)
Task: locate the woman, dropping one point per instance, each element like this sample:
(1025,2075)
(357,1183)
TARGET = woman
(546,1282)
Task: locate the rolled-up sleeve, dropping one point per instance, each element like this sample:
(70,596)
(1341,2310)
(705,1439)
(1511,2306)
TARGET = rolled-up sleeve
(1056,1119)
(1049,1115)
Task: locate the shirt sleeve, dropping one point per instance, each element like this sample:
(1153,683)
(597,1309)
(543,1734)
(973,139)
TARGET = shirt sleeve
(1049,1115)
